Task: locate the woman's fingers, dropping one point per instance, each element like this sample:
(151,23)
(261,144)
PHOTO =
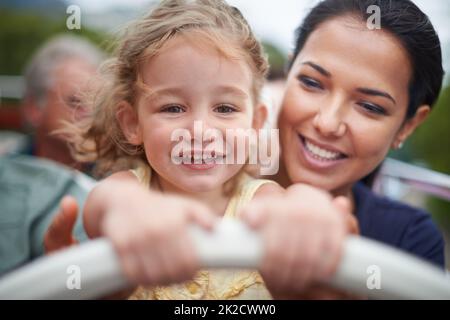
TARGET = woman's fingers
(59,234)
(343,205)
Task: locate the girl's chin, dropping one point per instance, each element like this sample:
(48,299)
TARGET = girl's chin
(198,184)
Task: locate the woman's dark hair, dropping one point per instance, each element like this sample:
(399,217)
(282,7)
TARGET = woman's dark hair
(408,24)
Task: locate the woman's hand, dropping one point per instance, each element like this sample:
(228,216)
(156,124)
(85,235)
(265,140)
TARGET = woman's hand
(59,233)
(303,232)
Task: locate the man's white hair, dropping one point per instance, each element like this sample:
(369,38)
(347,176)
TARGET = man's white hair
(40,69)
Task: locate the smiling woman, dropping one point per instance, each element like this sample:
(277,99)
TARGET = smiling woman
(352,94)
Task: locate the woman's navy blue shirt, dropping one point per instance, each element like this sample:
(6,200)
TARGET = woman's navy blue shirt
(399,225)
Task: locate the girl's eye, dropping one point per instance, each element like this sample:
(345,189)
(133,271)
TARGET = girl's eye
(223,108)
(310,83)
(173,109)
(373,108)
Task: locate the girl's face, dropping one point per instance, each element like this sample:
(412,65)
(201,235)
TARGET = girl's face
(191,87)
(345,105)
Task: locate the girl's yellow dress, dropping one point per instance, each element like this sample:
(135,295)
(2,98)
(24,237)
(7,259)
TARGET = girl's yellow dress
(217,284)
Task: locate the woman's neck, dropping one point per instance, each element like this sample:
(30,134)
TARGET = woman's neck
(282,178)
(215,199)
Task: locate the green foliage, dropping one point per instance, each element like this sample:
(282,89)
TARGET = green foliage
(21,33)
(432,140)
(277,60)
(431,143)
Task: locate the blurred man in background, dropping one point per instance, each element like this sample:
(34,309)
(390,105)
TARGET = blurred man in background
(31,188)
(55,79)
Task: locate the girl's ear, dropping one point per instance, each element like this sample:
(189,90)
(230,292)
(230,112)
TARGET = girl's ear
(411,125)
(129,123)
(259,116)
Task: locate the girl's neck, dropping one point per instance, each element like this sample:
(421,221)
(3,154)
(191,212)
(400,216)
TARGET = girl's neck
(215,199)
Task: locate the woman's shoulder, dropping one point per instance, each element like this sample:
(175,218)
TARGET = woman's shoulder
(398,224)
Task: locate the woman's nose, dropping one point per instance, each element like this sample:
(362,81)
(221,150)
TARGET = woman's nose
(329,120)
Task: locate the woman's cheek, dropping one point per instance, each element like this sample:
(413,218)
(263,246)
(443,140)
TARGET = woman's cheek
(371,142)
(298,106)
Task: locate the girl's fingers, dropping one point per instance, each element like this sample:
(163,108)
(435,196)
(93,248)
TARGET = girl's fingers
(256,214)
(188,261)
(200,215)
(132,266)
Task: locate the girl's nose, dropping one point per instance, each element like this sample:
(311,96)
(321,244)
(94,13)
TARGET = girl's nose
(203,131)
(329,121)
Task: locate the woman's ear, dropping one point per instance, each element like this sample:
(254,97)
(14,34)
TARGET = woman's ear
(129,123)
(259,116)
(410,125)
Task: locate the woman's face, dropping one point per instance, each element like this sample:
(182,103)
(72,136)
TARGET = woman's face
(345,104)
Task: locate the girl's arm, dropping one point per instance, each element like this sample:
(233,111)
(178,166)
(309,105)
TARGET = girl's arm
(104,197)
(149,230)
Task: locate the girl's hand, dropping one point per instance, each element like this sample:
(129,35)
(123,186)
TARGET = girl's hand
(303,234)
(150,233)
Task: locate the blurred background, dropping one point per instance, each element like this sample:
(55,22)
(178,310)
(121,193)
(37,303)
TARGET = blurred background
(26,24)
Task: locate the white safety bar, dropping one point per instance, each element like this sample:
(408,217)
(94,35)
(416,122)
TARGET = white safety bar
(231,245)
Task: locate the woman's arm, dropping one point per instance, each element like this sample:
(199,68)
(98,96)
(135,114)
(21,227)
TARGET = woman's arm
(303,230)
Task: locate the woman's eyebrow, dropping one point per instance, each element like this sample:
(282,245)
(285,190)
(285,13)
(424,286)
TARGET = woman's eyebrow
(367,91)
(318,68)
(378,93)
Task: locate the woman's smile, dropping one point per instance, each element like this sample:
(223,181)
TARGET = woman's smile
(319,156)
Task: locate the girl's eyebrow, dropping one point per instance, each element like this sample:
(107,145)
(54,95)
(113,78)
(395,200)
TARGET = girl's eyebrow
(166,92)
(225,89)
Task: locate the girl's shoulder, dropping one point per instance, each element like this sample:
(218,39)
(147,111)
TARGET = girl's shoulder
(122,176)
(248,188)
(259,187)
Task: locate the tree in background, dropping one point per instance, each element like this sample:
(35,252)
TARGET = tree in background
(431,144)
(22,32)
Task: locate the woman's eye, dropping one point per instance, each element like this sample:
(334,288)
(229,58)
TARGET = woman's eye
(373,108)
(173,109)
(310,83)
(225,109)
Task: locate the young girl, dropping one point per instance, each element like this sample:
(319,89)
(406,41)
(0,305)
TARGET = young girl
(189,64)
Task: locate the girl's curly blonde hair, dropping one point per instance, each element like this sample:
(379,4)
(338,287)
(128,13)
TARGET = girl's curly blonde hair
(99,137)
